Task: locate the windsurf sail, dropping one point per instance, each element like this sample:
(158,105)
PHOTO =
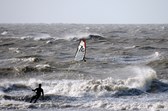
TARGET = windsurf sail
(81,51)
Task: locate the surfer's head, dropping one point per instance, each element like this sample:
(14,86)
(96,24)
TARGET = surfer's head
(39,85)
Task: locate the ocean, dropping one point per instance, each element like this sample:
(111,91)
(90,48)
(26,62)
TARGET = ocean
(126,67)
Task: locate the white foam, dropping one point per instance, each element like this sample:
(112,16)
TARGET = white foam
(94,93)
(129,47)
(42,66)
(16,60)
(139,77)
(127,105)
(157,54)
(16,50)
(30,59)
(143,79)
(40,36)
(4,33)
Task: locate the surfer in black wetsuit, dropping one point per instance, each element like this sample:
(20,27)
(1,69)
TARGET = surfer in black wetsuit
(38,91)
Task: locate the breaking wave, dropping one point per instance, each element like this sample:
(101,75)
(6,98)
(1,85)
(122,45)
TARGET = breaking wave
(40,36)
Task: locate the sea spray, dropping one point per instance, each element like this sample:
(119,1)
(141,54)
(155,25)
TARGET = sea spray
(143,79)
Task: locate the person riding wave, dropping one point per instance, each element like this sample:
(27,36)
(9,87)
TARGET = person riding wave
(38,91)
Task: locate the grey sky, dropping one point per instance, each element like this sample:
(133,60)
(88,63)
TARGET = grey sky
(84,11)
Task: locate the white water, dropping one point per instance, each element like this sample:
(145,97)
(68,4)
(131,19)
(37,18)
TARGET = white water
(98,93)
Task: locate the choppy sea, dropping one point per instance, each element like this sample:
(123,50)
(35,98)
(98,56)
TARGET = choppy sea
(126,67)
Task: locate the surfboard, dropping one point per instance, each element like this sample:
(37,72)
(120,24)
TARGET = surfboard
(81,51)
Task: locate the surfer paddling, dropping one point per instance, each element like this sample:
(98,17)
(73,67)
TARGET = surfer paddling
(38,91)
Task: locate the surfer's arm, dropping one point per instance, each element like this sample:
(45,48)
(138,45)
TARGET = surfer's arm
(34,89)
(42,93)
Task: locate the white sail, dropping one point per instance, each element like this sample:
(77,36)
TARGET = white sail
(81,50)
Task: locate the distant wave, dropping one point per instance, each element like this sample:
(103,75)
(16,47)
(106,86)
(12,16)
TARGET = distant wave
(140,59)
(30,68)
(16,60)
(84,35)
(131,59)
(45,36)
(4,33)
(13,66)
(37,36)
(97,37)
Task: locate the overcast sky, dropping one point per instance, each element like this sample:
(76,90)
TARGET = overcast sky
(84,11)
